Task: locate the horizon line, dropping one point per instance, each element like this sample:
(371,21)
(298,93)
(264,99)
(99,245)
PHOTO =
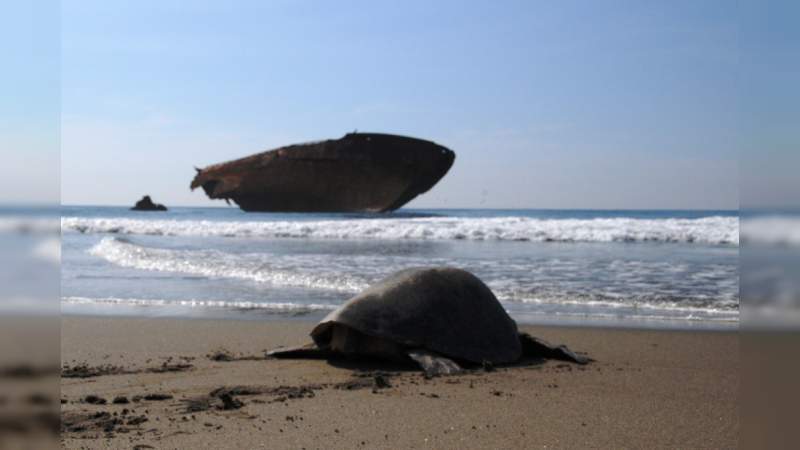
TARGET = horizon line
(436,208)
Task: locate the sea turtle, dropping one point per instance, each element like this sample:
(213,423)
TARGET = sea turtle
(438,317)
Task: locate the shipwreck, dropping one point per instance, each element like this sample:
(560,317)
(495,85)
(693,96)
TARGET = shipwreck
(361,172)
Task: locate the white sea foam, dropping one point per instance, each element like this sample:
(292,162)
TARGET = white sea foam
(285,272)
(780,230)
(276,307)
(549,286)
(666,306)
(49,250)
(555,317)
(710,230)
(29,225)
(309,308)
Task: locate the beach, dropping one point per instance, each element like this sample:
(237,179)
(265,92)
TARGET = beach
(205,383)
(167,319)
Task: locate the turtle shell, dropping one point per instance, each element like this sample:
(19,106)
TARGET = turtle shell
(446,310)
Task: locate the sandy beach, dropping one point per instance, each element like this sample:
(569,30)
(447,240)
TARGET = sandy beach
(181,383)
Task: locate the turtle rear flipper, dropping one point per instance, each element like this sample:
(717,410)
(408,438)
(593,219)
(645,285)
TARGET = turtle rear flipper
(539,348)
(307,351)
(433,364)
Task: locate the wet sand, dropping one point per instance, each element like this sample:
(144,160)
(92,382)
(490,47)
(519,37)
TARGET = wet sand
(170,383)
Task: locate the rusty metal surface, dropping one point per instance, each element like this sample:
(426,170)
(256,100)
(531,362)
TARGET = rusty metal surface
(361,172)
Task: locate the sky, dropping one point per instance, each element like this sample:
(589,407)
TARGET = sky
(769,127)
(29,102)
(547,104)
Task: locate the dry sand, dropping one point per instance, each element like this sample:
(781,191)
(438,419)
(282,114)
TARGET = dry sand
(646,389)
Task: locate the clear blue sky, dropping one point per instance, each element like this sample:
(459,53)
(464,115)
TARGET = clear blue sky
(769,128)
(29,101)
(547,104)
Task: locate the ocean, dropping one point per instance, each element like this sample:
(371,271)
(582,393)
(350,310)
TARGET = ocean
(664,269)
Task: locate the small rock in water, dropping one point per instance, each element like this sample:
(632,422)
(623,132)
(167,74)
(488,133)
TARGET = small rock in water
(147,204)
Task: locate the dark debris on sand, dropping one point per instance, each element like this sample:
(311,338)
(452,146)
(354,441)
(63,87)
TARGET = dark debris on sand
(158,397)
(229,402)
(224,355)
(87,371)
(381,381)
(24,423)
(166,367)
(77,422)
(221,355)
(225,398)
(25,371)
(94,400)
(198,404)
(374,379)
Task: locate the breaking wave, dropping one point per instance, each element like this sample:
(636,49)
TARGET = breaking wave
(29,225)
(271,307)
(284,272)
(519,285)
(709,230)
(775,230)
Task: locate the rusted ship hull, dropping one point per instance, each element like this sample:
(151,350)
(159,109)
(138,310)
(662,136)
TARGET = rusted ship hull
(361,172)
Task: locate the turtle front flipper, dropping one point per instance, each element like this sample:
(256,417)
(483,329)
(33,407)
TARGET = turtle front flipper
(307,351)
(539,348)
(433,364)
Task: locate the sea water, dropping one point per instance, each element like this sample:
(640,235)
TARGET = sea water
(672,269)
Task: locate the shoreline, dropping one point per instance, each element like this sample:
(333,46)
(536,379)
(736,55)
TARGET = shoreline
(647,388)
(699,325)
